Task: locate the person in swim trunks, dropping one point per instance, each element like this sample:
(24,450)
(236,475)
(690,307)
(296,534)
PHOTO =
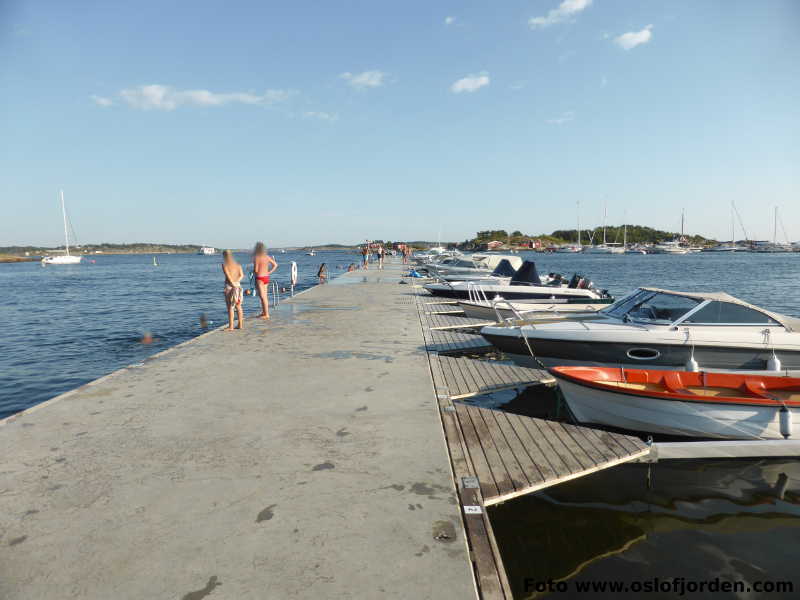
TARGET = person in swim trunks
(263,266)
(233,288)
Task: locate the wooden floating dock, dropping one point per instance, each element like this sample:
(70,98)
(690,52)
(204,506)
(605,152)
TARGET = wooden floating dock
(496,455)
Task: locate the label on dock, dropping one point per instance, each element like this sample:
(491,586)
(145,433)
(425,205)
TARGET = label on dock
(472,510)
(470,483)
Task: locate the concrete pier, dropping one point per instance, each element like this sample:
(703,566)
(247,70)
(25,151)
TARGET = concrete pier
(301,458)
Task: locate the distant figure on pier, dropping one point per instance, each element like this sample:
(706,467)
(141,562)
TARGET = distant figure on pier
(381,253)
(406,253)
(365,255)
(233,288)
(263,266)
(351,267)
(323,273)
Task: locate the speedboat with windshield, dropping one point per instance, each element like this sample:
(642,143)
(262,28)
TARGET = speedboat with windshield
(653,328)
(478,265)
(431,254)
(524,285)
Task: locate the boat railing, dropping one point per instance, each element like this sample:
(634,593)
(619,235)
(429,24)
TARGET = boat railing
(476,293)
(498,301)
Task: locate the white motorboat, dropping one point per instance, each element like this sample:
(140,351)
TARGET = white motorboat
(420,258)
(703,405)
(66,258)
(501,275)
(569,249)
(605,248)
(669,247)
(500,309)
(476,265)
(524,285)
(207,250)
(655,328)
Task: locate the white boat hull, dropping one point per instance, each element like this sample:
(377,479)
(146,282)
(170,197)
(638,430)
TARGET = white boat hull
(671,417)
(62,260)
(486,310)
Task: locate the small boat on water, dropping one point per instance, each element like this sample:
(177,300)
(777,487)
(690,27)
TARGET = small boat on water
(693,404)
(66,258)
(524,285)
(207,251)
(662,329)
(499,309)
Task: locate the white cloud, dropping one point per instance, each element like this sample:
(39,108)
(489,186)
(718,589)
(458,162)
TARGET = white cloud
(630,40)
(101,100)
(470,83)
(164,97)
(565,10)
(564,117)
(322,116)
(449,20)
(367,79)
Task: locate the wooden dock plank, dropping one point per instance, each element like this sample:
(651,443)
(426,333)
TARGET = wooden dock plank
(502,478)
(508,446)
(488,486)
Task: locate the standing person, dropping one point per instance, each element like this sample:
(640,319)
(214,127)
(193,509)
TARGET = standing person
(365,255)
(263,266)
(233,288)
(323,273)
(381,253)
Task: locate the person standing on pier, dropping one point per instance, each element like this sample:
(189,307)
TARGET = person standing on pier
(233,288)
(365,255)
(381,254)
(263,266)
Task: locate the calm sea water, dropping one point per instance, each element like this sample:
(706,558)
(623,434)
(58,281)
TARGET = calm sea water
(66,325)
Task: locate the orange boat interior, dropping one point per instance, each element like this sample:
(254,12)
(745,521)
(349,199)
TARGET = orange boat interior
(685,385)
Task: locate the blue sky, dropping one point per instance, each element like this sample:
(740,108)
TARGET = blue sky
(307,122)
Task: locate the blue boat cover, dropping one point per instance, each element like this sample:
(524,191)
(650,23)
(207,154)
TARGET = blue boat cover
(526,275)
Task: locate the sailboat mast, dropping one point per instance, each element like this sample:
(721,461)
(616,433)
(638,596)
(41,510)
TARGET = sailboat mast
(775,228)
(579,222)
(604,223)
(64,214)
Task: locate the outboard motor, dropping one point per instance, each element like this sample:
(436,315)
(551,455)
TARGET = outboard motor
(526,275)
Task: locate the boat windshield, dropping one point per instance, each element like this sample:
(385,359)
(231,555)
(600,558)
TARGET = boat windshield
(654,307)
(662,308)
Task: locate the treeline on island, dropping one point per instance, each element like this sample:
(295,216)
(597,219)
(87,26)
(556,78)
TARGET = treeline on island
(636,234)
(135,248)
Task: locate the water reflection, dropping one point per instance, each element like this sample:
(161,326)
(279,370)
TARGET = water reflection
(738,520)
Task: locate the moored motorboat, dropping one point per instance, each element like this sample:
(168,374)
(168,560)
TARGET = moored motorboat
(662,329)
(499,309)
(525,284)
(696,404)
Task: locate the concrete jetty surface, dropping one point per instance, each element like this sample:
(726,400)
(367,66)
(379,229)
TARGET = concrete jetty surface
(301,458)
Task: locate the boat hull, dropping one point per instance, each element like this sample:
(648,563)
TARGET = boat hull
(670,417)
(554,352)
(62,260)
(484,310)
(512,292)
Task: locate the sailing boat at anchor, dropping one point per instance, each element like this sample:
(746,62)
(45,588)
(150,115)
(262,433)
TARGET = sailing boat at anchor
(66,258)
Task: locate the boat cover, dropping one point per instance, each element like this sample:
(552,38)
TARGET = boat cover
(526,275)
(789,323)
(504,269)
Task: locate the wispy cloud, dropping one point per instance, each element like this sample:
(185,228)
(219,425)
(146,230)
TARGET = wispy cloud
(563,12)
(564,117)
(603,81)
(449,20)
(518,85)
(322,116)
(364,80)
(164,97)
(628,41)
(102,101)
(470,83)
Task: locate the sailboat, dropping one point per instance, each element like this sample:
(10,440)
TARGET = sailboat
(66,258)
(605,248)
